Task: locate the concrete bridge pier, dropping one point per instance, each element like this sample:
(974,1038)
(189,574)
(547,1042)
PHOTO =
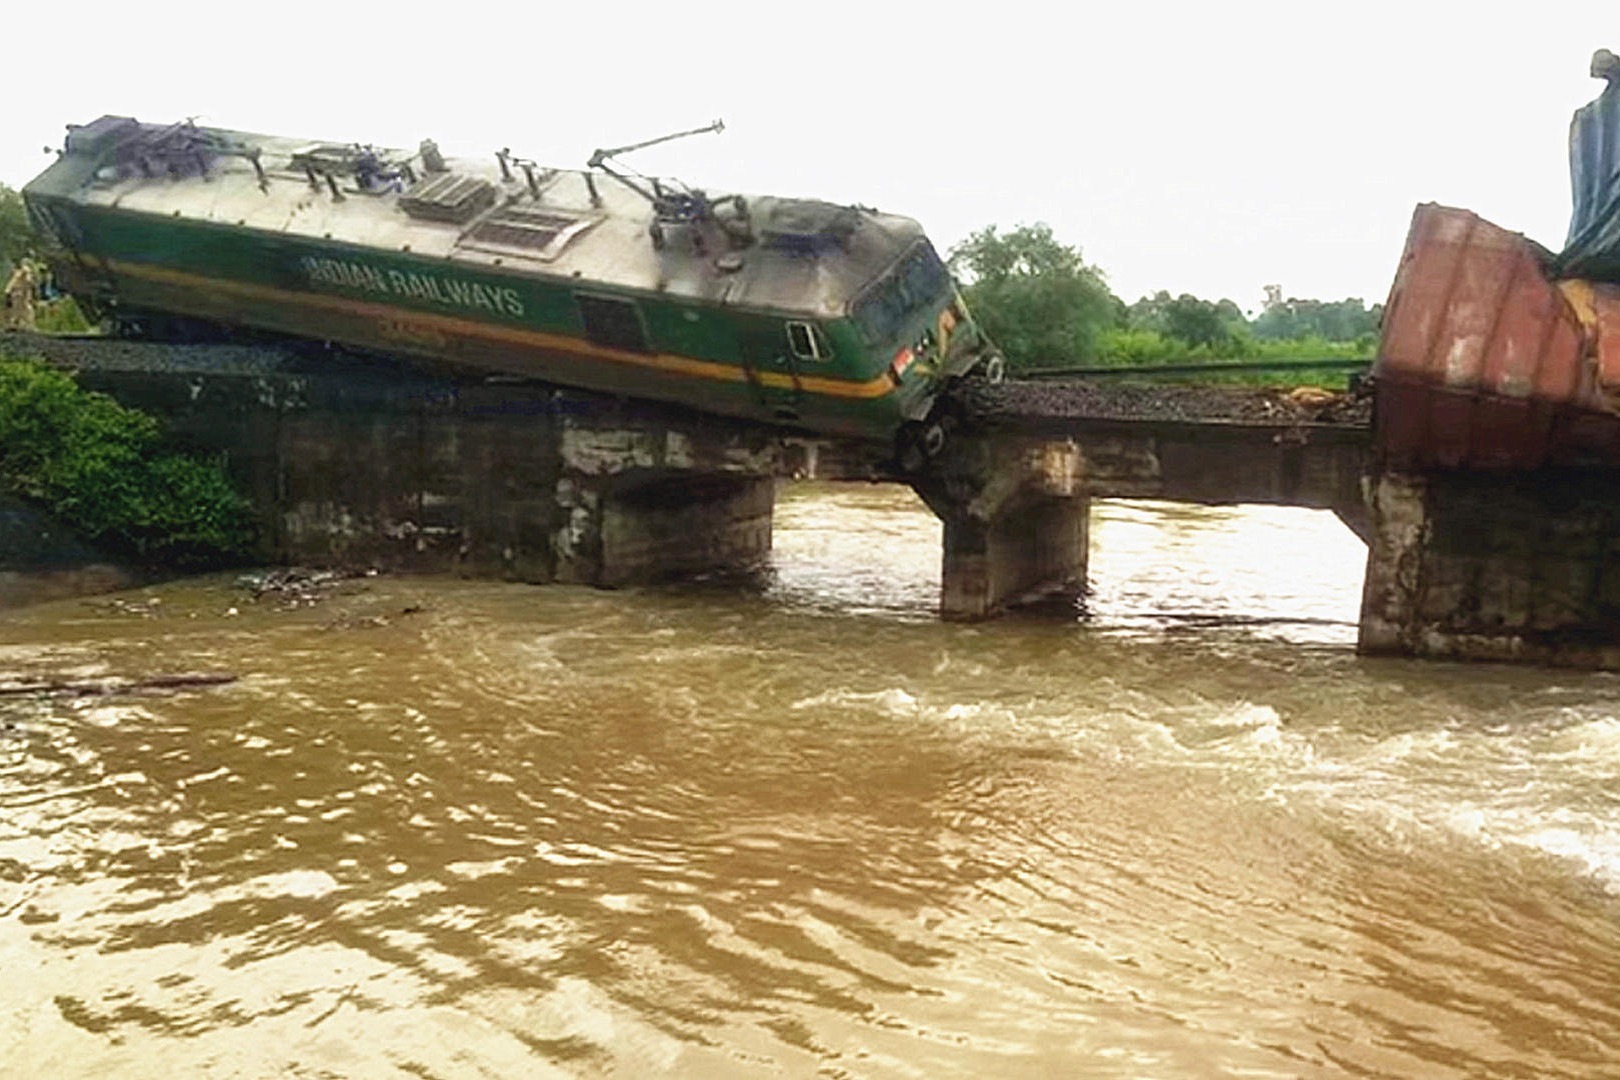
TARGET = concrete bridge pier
(528,485)
(1015,514)
(1480,566)
(642,528)
(639,495)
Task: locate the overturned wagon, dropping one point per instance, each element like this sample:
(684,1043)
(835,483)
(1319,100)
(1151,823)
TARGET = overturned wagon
(833,319)
(1497,354)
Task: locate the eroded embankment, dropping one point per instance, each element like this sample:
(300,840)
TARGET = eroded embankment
(42,559)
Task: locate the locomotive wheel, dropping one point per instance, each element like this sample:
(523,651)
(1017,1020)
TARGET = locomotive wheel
(909,452)
(919,442)
(992,370)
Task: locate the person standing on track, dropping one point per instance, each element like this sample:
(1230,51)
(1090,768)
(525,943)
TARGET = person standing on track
(20,291)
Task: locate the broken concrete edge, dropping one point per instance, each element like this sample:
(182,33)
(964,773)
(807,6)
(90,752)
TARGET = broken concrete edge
(1015,517)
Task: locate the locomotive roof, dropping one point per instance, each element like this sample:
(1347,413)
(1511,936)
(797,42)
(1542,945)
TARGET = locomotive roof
(806,256)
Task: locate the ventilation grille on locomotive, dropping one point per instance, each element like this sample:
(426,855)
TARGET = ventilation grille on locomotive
(452,197)
(521,230)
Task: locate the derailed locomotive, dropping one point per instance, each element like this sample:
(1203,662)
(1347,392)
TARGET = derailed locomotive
(833,319)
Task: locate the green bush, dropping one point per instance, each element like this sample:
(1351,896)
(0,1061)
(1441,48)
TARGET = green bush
(60,316)
(1125,347)
(103,469)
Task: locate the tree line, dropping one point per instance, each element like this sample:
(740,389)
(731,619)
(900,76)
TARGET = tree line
(16,238)
(1047,308)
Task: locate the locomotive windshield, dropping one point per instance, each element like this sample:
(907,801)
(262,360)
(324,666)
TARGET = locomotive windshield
(920,281)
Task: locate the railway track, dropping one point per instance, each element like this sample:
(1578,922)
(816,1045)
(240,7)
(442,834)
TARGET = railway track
(1009,404)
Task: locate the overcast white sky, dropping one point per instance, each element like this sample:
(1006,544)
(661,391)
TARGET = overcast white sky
(1196,147)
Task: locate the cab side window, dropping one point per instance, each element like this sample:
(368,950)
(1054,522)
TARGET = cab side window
(613,322)
(807,342)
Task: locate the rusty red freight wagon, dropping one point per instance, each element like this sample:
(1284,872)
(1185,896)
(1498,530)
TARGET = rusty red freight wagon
(1498,354)
(1487,363)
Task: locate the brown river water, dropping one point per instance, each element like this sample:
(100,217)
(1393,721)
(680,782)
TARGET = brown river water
(460,829)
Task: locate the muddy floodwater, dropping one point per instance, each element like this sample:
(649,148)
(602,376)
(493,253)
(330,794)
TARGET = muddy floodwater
(440,828)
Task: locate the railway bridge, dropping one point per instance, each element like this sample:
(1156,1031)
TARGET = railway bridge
(359,462)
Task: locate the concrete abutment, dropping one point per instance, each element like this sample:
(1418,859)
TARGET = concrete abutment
(404,471)
(1476,566)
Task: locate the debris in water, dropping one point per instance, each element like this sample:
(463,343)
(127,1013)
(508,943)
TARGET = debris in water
(301,586)
(15,687)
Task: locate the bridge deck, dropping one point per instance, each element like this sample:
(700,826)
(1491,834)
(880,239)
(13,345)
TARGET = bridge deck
(1051,404)
(1206,444)
(1192,443)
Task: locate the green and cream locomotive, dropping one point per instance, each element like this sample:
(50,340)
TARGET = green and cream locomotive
(827,318)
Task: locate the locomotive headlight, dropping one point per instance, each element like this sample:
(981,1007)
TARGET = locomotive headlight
(902,360)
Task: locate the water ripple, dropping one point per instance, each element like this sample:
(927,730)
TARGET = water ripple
(808,829)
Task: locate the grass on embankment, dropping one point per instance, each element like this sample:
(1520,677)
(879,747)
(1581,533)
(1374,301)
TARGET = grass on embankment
(105,471)
(1148,356)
